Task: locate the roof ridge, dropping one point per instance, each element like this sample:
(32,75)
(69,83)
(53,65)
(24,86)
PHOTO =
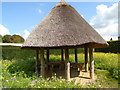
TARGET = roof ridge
(62,2)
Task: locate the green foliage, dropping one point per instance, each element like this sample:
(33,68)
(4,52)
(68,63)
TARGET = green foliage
(19,66)
(17,39)
(6,39)
(15,53)
(71,51)
(114,47)
(107,61)
(104,79)
(20,79)
(12,39)
(19,70)
(0,38)
(53,82)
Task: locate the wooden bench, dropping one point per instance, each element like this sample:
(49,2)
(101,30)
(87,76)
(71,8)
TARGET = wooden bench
(58,64)
(79,66)
(61,65)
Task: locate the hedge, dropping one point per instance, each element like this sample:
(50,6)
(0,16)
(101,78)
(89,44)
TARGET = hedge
(114,47)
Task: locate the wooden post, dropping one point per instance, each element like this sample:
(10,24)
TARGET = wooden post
(47,55)
(76,55)
(47,58)
(91,63)
(67,64)
(37,62)
(86,58)
(62,57)
(42,62)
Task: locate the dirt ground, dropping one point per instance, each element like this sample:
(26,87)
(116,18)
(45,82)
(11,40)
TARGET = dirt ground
(80,77)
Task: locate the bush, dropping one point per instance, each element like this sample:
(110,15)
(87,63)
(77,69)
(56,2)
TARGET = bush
(15,53)
(19,78)
(114,47)
(19,66)
(107,61)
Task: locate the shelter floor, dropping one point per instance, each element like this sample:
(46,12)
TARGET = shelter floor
(81,77)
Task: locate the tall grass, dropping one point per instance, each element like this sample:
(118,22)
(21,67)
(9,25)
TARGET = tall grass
(107,61)
(14,78)
(19,70)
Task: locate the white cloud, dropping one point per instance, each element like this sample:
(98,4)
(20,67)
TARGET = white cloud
(26,34)
(40,11)
(3,30)
(106,21)
(17,34)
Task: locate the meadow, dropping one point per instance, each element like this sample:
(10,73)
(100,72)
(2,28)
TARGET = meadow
(18,70)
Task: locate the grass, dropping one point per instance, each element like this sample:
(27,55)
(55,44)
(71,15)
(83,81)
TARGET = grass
(22,80)
(21,74)
(105,80)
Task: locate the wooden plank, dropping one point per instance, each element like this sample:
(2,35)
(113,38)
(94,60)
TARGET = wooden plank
(62,55)
(86,58)
(37,63)
(42,62)
(76,59)
(47,55)
(67,64)
(91,63)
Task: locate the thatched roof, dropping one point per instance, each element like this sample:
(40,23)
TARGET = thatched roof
(63,27)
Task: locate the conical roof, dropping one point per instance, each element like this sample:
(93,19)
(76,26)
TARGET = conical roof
(63,27)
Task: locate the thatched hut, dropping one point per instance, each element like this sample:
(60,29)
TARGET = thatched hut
(64,28)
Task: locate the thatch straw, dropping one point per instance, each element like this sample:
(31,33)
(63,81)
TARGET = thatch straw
(63,27)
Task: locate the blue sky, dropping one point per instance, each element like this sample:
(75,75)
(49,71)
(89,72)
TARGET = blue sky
(19,17)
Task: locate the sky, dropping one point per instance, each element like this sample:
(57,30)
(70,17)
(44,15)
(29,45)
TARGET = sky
(22,17)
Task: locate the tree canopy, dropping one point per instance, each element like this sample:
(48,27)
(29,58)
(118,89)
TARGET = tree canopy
(0,38)
(12,39)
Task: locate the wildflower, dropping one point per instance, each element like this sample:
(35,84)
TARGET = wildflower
(38,78)
(13,78)
(60,77)
(39,87)
(43,81)
(6,80)
(99,85)
(47,78)
(32,84)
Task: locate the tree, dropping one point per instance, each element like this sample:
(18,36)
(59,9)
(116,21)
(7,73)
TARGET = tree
(6,39)
(17,39)
(0,38)
(110,39)
(12,39)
